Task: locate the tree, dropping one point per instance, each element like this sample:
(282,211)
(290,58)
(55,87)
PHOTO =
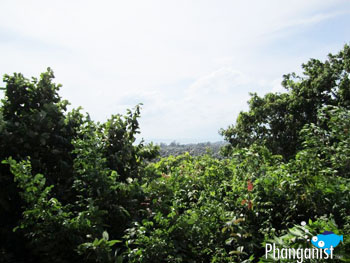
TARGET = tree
(34,125)
(276,119)
(69,186)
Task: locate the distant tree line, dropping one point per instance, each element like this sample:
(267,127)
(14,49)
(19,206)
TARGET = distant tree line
(194,149)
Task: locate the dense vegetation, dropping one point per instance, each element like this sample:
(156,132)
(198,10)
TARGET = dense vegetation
(73,190)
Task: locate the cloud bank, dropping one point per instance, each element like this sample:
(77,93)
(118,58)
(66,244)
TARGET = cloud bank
(191,63)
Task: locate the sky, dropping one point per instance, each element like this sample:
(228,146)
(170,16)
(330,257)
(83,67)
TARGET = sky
(192,63)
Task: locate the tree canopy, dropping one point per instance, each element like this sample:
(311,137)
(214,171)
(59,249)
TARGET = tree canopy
(79,178)
(276,119)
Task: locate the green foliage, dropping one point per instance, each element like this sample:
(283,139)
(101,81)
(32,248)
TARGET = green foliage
(275,120)
(66,180)
(203,211)
(100,250)
(44,216)
(184,221)
(327,143)
(119,138)
(33,124)
(207,210)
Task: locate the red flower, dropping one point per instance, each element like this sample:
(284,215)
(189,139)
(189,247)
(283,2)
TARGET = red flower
(250,185)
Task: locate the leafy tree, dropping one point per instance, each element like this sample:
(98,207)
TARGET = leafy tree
(33,125)
(119,144)
(69,185)
(327,143)
(275,120)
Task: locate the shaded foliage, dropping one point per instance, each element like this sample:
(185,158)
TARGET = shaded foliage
(74,179)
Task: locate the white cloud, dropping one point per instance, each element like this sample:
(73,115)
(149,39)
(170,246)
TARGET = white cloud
(219,82)
(188,61)
(211,102)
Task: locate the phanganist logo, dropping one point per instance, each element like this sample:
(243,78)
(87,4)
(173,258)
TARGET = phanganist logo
(323,248)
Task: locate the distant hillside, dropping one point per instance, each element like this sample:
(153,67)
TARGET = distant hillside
(195,149)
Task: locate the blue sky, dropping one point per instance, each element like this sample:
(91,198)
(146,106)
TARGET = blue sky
(191,63)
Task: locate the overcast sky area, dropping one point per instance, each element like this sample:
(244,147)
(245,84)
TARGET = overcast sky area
(191,63)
